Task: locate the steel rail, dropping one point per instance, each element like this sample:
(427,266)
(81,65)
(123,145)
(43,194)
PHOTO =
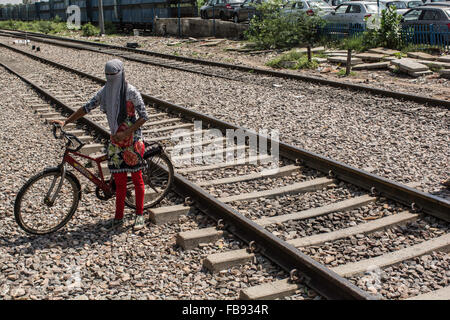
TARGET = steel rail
(313,274)
(417,200)
(313,79)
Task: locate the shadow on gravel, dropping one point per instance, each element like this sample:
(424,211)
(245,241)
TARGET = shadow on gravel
(443,192)
(90,234)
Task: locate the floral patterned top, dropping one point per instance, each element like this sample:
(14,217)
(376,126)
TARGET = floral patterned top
(133,96)
(123,155)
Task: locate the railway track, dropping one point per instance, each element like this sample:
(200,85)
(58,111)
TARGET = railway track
(211,68)
(306,193)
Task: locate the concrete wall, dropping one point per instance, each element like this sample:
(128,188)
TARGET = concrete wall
(197,27)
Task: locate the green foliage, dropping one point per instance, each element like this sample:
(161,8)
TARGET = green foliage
(293,60)
(389,34)
(43,26)
(272,28)
(110,28)
(341,73)
(435,68)
(200,3)
(89,30)
(57,19)
(353,43)
(399,55)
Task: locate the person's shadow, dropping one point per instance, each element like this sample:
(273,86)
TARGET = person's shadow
(94,233)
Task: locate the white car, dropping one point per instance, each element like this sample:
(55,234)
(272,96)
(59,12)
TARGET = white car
(335,3)
(401,5)
(310,7)
(354,12)
(413,3)
(433,1)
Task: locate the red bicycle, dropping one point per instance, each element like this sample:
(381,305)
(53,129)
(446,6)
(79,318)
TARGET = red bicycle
(48,200)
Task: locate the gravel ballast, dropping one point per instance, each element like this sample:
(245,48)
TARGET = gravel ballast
(403,141)
(85,260)
(408,279)
(75,245)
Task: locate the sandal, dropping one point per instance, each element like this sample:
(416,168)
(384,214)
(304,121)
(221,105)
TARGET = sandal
(139,223)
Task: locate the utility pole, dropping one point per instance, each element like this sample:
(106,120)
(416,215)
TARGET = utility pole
(101,21)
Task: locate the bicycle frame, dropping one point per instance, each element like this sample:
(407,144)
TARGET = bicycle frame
(101,183)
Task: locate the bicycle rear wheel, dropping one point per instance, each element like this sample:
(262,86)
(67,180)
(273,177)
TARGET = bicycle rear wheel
(32,209)
(158,178)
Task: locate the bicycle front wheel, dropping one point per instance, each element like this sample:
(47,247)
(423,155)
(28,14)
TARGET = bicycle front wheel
(158,178)
(34,210)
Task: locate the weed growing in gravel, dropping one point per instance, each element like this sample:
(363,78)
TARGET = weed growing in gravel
(293,60)
(341,73)
(44,26)
(435,68)
(89,30)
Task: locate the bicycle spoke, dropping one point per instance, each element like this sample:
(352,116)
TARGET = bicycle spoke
(38,215)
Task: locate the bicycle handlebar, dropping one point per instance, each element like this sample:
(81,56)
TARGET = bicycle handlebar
(68,136)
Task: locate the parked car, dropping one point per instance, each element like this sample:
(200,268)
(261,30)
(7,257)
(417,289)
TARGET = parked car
(246,10)
(223,9)
(413,3)
(438,16)
(354,12)
(400,6)
(310,7)
(434,1)
(335,3)
(439,3)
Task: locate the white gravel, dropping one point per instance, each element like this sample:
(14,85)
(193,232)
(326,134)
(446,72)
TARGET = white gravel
(404,141)
(133,276)
(85,261)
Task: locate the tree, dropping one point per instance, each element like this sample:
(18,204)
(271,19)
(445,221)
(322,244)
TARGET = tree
(272,27)
(389,34)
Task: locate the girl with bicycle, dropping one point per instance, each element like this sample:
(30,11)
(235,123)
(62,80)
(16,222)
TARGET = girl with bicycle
(121,101)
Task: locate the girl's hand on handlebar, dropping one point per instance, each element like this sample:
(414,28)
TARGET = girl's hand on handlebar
(119,136)
(60,122)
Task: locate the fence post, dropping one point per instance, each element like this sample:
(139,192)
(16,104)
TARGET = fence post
(349,62)
(214,22)
(179,19)
(432,35)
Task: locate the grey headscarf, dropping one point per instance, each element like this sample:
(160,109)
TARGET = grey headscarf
(114,94)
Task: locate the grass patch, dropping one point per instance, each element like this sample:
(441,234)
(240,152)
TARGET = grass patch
(44,26)
(341,73)
(400,55)
(293,60)
(56,26)
(436,68)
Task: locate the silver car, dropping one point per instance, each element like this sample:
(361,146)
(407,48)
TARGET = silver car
(310,7)
(400,6)
(412,3)
(438,16)
(335,3)
(354,12)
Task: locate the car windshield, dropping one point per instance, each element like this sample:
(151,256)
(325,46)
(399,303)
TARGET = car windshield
(372,7)
(412,15)
(447,11)
(318,4)
(337,2)
(413,4)
(234,1)
(397,4)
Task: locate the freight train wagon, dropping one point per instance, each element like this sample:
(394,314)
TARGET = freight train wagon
(125,14)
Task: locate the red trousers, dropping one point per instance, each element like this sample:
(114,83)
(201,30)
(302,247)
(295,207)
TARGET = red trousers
(121,192)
